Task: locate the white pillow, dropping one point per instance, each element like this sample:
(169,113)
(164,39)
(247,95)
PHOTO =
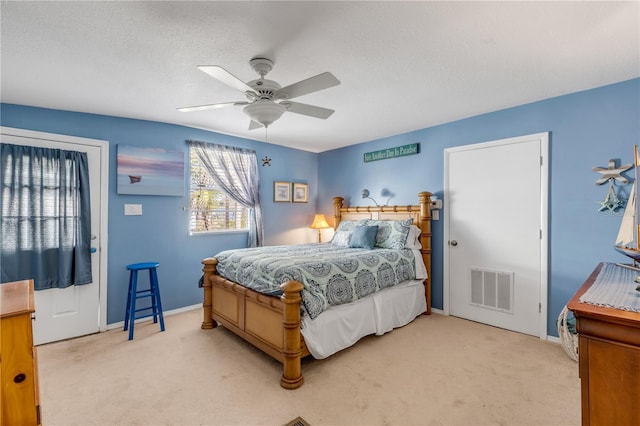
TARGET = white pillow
(413,238)
(341,238)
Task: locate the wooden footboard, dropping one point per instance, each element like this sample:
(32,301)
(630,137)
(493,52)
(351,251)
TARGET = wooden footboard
(272,324)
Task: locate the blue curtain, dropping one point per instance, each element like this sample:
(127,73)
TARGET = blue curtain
(235,170)
(46,216)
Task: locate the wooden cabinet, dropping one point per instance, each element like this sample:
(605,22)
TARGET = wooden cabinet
(609,361)
(18,363)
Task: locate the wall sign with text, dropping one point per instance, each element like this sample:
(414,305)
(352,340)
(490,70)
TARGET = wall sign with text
(398,151)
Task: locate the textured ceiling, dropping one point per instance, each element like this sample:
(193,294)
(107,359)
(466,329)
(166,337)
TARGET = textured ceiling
(403,66)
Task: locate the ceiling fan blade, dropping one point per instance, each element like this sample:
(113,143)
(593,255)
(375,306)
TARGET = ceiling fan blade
(254,125)
(310,110)
(310,85)
(226,77)
(211,106)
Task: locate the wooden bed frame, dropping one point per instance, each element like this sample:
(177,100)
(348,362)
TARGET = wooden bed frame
(272,323)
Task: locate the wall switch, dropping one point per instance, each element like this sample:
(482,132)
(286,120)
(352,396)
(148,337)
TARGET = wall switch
(435,214)
(133,209)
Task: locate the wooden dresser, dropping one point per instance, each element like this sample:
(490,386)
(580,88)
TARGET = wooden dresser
(609,361)
(18,363)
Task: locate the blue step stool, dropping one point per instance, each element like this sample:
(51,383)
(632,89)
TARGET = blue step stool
(153,292)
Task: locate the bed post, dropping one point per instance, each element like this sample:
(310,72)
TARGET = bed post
(292,345)
(425,241)
(337,214)
(209,269)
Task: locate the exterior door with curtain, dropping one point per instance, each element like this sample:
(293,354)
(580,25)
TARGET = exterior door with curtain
(78,309)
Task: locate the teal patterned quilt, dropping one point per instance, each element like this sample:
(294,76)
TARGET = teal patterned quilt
(331,275)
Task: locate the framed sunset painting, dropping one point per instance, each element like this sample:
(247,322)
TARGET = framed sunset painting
(150,171)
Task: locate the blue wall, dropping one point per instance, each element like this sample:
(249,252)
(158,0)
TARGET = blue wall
(161,233)
(586,130)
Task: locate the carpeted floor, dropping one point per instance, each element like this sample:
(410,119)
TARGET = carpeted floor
(438,370)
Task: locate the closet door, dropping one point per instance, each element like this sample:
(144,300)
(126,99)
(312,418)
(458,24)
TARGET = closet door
(495,233)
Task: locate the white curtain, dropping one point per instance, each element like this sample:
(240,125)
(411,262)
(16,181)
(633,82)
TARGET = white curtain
(235,171)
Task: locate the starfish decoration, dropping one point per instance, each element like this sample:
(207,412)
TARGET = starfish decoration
(612,172)
(606,204)
(611,202)
(266,161)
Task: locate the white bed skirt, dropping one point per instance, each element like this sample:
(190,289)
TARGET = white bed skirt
(341,326)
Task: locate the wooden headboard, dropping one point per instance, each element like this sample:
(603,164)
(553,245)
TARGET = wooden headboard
(421,215)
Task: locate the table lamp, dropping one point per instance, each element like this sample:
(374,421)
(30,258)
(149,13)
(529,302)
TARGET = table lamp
(319,223)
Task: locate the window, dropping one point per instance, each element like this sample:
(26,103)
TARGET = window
(211,209)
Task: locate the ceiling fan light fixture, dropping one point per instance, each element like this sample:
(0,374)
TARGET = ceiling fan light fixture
(264,112)
(267,100)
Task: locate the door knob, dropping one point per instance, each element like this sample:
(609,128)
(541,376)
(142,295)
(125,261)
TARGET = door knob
(453,243)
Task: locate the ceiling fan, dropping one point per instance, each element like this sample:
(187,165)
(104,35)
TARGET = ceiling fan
(266,99)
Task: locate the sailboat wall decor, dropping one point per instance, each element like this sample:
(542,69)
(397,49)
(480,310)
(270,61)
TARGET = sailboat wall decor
(628,240)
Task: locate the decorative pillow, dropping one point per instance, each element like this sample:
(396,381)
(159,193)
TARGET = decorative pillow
(343,233)
(413,238)
(341,238)
(392,234)
(363,237)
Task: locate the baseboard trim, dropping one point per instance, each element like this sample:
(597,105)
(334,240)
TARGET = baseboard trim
(552,339)
(120,324)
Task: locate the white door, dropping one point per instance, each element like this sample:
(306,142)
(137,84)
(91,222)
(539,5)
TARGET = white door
(75,310)
(496,233)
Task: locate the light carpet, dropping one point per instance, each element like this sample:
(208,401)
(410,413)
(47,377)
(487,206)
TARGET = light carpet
(438,370)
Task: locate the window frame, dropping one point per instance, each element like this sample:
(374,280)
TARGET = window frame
(211,186)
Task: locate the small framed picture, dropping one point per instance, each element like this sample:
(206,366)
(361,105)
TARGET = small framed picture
(300,193)
(281,192)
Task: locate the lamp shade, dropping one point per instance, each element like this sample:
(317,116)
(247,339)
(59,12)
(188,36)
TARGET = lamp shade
(319,222)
